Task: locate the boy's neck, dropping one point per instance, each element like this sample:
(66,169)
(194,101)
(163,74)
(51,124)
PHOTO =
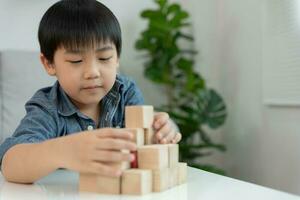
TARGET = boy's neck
(92,112)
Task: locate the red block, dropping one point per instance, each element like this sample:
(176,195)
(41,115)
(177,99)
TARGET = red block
(134,163)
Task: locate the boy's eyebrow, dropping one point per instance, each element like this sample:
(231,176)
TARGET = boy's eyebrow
(105,48)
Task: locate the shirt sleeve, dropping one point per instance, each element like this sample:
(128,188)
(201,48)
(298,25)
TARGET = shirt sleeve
(38,125)
(134,95)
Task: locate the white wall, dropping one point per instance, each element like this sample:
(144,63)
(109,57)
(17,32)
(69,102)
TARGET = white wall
(262,142)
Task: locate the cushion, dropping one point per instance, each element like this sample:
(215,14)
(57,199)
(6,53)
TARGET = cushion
(22,74)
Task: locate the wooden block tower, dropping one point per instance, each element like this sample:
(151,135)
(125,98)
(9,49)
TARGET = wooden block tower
(155,169)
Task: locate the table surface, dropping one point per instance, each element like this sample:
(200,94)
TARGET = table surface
(63,184)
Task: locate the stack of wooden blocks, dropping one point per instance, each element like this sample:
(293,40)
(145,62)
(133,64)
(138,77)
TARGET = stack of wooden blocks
(155,169)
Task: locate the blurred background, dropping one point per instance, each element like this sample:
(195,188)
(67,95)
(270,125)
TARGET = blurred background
(248,51)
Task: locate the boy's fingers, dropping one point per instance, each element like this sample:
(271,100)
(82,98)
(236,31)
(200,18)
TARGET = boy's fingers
(160,119)
(160,114)
(116,144)
(177,138)
(169,137)
(112,156)
(163,131)
(113,133)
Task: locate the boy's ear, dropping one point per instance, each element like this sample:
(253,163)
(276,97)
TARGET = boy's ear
(49,67)
(118,63)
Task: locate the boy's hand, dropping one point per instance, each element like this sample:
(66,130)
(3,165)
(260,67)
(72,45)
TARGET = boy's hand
(166,131)
(91,151)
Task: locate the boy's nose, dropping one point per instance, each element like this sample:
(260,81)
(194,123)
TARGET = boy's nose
(92,72)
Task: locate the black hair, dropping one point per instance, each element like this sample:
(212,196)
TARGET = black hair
(75,24)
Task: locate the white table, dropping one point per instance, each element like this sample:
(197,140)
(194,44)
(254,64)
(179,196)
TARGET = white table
(63,184)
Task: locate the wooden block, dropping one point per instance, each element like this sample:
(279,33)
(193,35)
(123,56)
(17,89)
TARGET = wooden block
(139,116)
(153,156)
(182,173)
(99,184)
(138,135)
(136,182)
(173,155)
(173,176)
(149,136)
(160,180)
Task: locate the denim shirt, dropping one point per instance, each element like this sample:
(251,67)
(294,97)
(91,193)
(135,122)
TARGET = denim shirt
(51,114)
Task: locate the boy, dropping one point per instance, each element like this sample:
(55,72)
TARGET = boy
(80,43)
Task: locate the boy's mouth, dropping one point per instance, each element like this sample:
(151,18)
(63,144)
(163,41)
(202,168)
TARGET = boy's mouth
(91,87)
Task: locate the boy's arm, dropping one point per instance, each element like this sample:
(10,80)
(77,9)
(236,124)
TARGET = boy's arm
(30,145)
(87,152)
(26,163)
(36,148)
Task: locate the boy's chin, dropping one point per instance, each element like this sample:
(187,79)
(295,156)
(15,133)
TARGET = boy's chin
(93,101)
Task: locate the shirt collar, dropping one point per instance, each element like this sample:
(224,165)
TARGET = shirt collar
(64,105)
(115,90)
(67,108)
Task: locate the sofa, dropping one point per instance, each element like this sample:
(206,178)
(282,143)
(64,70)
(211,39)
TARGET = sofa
(21,75)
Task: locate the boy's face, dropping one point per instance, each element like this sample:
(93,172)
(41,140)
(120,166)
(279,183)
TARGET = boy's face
(85,75)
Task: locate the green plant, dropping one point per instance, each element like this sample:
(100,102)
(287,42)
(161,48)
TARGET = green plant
(191,104)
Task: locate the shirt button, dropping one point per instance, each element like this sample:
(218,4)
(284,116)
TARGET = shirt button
(90,128)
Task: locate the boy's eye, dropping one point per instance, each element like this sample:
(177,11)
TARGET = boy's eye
(75,61)
(105,59)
